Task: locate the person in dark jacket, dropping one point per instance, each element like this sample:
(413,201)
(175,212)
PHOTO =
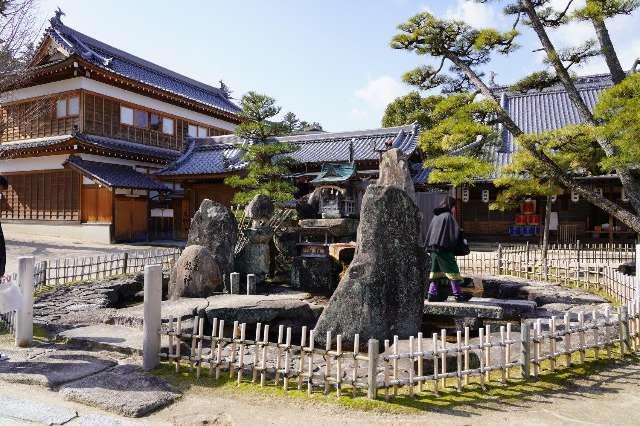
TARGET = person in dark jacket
(442,240)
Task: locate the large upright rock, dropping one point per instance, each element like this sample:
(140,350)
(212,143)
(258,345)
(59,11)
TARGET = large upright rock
(382,292)
(196,274)
(394,171)
(214,227)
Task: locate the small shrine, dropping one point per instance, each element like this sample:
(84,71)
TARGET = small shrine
(336,190)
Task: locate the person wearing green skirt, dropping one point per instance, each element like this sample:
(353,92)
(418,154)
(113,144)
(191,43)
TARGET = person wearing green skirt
(442,240)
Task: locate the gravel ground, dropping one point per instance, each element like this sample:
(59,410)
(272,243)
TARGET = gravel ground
(54,248)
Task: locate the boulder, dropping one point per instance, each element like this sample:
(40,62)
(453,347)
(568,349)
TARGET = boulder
(255,256)
(381,293)
(196,274)
(260,207)
(214,227)
(394,171)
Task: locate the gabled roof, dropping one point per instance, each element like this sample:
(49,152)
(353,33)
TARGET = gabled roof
(335,172)
(109,58)
(208,156)
(114,175)
(223,154)
(89,142)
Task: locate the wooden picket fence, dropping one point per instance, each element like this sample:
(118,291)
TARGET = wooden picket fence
(591,267)
(56,272)
(275,359)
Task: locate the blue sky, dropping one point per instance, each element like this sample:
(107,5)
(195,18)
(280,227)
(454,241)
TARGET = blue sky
(327,61)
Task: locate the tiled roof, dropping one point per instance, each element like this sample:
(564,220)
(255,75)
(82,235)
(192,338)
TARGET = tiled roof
(204,157)
(220,154)
(542,111)
(130,66)
(335,147)
(93,141)
(9,147)
(127,147)
(332,172)
(114,175)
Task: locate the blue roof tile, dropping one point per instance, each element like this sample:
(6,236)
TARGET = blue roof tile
(130,66)
(114,175)
(221,154)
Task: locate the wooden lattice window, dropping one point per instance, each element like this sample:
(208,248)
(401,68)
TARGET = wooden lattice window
(48,195)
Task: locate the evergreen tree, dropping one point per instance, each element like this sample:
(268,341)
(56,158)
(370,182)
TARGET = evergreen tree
(545,163)
(267,162)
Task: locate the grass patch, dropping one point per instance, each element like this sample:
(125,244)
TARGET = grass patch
(515,390)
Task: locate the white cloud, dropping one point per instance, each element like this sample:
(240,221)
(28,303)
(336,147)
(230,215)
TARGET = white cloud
(378,92)
(475,14)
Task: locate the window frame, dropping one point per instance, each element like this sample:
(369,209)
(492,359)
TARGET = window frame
(173,126)
(61,102)
(69,99)
(122,108)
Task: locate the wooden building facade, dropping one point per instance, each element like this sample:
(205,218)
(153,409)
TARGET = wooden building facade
(84,131)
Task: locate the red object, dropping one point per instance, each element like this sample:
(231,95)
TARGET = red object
(533,219)
(529,206)
(521,219)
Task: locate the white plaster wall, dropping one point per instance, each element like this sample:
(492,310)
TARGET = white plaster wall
(85,232)
(115,92)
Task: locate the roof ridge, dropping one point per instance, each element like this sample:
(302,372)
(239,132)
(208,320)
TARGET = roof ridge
(138,60)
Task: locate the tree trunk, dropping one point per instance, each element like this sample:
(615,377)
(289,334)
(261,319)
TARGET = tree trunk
(608,51)
(545,238)
(630,183)
(628,218)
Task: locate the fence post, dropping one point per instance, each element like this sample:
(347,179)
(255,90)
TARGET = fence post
(24,320)
(578,251)
(125,262)
(152,317)
(625,343)
(45,265)
(251,284)
(372,370)
(636,296)
(525,350)
(499,259)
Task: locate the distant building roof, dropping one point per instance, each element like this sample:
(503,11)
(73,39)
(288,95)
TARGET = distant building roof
(115,60)
(221,154)
(542,111)
(335,172)
(114,175)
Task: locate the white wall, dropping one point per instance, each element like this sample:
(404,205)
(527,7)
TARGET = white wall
(115,92)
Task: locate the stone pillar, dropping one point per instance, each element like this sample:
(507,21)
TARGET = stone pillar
(152,316)
(251,284)
(24,317)
(235,283)
(636,296)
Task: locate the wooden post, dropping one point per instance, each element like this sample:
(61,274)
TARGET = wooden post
(372,369)
(636,296)
(24,317)
(525,350)
(125,262)
(45,265)
(152,316)
(623,317)
(499,259)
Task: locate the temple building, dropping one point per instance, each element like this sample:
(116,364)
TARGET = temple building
(85,130)
(572,218)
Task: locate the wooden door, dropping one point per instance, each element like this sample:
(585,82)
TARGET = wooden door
(132,218)
(97,204)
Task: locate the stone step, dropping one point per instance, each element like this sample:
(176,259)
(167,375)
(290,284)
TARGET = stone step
(510,307)
(463,309)
(108,337)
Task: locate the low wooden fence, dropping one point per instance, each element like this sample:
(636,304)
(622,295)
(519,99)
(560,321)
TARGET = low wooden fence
(495,355)
(52,273)
(591,267)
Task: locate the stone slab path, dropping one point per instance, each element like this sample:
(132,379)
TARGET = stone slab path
(50,368)
(124,390)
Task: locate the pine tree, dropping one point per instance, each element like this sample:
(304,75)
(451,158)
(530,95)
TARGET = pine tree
(267,162)
(543,164)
